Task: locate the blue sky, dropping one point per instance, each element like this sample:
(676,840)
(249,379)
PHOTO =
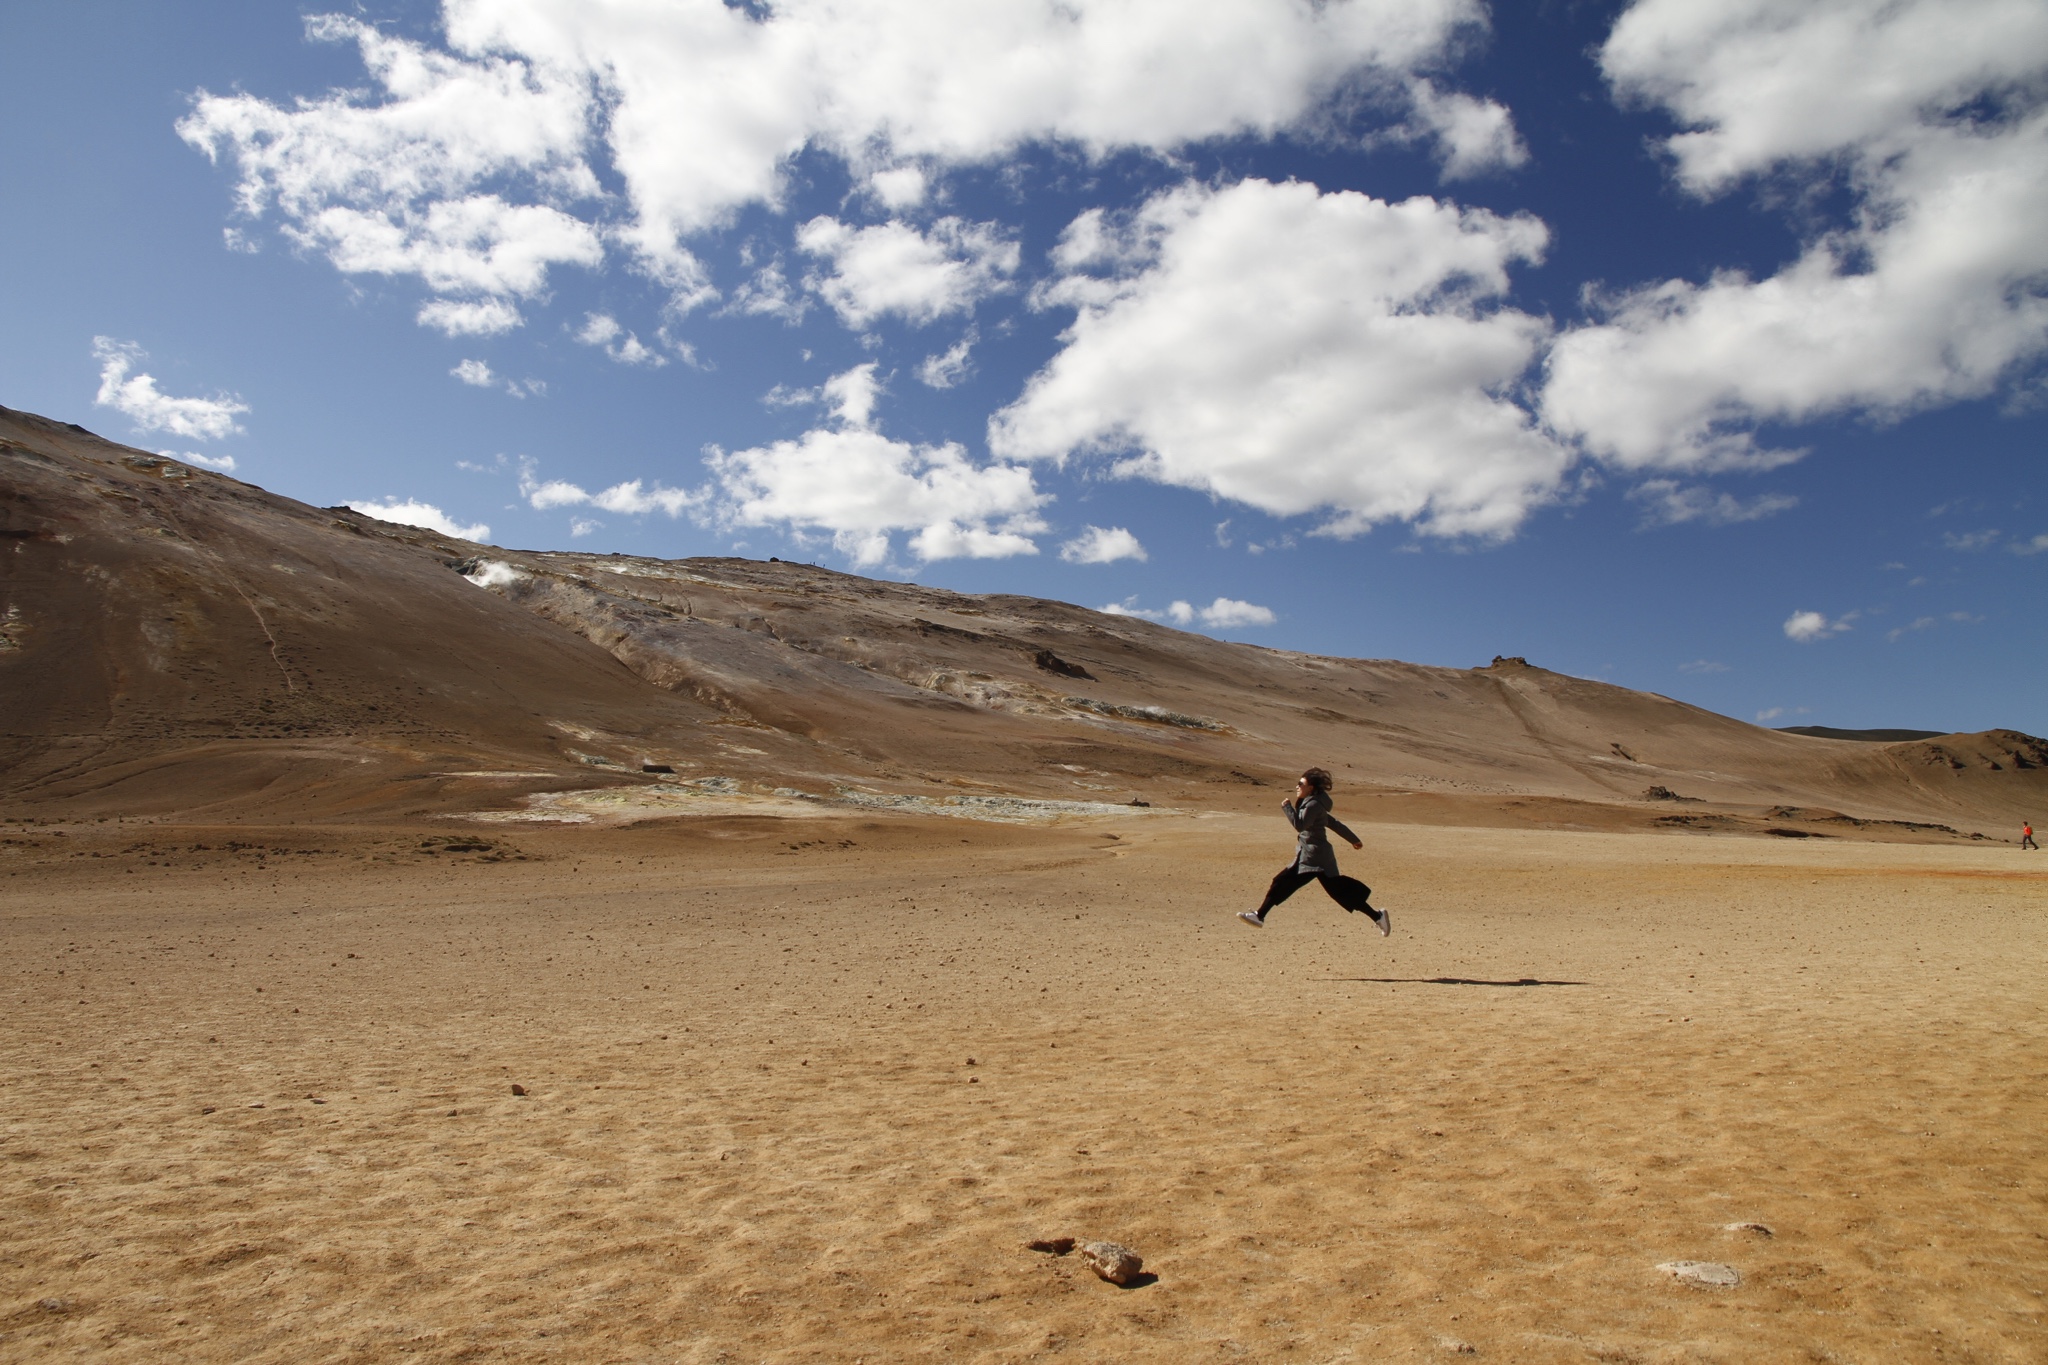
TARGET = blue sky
(1693,346)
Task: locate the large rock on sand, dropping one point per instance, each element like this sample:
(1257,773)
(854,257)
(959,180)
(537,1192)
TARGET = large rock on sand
(1113,1262)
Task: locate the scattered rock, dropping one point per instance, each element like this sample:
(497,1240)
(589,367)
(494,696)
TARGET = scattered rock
(1113,1262)
(658,768)
(1057,1246)
(1664,794)
(1140,803)
(54,1305)
(1456,1347)
(1703,1272)
(518,1089)
(1761,1229)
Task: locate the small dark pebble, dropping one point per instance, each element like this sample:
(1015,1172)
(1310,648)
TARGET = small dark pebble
(519,1090)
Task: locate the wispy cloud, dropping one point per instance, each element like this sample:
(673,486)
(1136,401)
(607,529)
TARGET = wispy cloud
(602,330)
(1920,623)
(136,397)
(1666,502)
(631,498)
(478,374)
(411,512)
(950,366)
(1969,542)
(224,463)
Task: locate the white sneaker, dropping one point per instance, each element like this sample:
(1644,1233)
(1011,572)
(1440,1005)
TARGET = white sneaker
(1251,917)
(1385,922)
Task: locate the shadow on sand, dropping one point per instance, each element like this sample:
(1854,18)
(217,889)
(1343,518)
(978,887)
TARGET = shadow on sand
(1447,981)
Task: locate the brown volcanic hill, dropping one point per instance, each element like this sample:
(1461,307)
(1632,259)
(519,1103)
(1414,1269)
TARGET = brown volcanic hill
(173,640)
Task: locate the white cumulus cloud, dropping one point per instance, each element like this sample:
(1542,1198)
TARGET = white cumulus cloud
(861,487)
(1102,545)
(136,397)
(896,268)
(469,318)
(393,184)
(467,163)
(1932,113)
(1299,351)
(1473,136)
(412,512)
(1808,626)
(1225,613)
(1228,612)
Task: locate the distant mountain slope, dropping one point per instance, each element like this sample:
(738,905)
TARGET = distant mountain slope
(1866,736)
(175,639)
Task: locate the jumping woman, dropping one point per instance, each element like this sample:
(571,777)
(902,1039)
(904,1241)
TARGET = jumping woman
(1314,860)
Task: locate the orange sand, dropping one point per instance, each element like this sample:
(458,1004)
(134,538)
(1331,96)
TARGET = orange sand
(260,1109)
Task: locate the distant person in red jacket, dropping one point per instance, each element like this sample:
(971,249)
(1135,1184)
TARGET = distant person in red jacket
(2027,837)
(1314,859)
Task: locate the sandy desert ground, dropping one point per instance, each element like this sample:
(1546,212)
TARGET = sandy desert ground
(800,1091)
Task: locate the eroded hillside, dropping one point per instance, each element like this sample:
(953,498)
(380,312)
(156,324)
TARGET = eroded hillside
(173,639)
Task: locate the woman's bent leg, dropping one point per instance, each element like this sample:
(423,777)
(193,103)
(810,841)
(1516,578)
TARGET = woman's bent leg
(1352,894)
(1348,892)
(1285,883)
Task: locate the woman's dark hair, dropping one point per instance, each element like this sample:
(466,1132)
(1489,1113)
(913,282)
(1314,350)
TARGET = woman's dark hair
(1319,778)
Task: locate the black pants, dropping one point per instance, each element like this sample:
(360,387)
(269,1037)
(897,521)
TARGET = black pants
(1348,892)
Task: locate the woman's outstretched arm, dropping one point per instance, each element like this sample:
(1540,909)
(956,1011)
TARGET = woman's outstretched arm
(1333,822)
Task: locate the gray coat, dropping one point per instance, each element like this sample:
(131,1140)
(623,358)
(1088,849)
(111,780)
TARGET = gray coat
(1311,820)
